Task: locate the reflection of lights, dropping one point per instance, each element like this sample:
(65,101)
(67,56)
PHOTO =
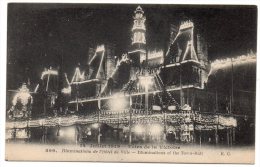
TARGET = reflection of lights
(118,103)
(138,129)
(156,130)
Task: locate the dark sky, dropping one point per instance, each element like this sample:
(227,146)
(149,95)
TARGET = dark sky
(39,35)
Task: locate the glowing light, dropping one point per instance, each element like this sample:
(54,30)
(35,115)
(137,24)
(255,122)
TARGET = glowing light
(131,102)
(94,56)
(100,48)
(186,24)
(61,133)
(118,103)
(191,127)
(95,125)
(190,48)
(186,107)
(66,90)
(225,63)
(139,9)
(139,37)
(138,129)
(49,72)
(36,88)
(145,80)
(157,108)
(125,58)
(153,55)
(21,134)
(78,76)
(9,134)
(227,121)
(171,107)
(100,65)
(67,132)
(139,24)
(156,130)
(247,58)
(41,122)
(22,95)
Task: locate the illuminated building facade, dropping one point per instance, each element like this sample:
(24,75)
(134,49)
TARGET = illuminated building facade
(139,96)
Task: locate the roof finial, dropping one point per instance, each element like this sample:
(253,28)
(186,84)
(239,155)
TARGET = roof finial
(139,10)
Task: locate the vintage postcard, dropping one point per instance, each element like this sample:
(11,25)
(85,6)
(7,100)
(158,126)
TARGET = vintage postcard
(131,83)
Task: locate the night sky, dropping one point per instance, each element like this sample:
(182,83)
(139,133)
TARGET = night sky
(41,35)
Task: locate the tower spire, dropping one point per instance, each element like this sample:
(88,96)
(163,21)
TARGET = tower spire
(138,46)
(139,29)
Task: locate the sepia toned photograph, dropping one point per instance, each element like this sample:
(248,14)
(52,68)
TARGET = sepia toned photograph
(131,83)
